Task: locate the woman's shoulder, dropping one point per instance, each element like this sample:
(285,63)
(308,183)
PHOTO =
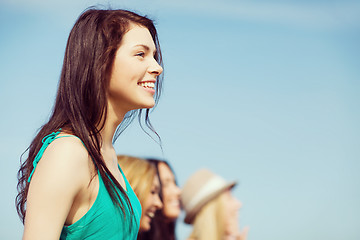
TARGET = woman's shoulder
(64,158)
(61,173)
(67,149)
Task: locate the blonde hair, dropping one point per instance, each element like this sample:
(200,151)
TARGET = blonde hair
(209,222)
(140,174)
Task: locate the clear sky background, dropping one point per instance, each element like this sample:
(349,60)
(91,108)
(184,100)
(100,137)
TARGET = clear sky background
(264,92)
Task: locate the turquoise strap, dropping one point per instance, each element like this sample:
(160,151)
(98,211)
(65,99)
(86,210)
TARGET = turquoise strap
(46,141)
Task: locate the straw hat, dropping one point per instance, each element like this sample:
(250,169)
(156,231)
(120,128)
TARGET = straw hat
(199,189)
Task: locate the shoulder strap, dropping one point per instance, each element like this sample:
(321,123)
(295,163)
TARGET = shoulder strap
(46,141)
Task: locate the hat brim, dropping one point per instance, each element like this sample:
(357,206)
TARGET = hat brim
(189,217)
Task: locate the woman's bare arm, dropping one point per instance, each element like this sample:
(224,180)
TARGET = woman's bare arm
(60,174)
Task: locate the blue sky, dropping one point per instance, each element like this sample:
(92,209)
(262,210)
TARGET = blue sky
(264,92)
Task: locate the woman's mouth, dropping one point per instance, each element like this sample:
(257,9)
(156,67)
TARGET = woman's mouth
(147,84)
(174,202)
(151,214)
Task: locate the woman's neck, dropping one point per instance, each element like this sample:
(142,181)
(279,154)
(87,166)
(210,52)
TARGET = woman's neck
(113,119)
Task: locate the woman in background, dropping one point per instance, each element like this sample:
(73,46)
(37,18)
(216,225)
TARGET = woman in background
(70,185)
(211,208)
(143,178)
(164,222)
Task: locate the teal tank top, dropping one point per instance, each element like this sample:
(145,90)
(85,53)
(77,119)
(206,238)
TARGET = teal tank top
(104,220)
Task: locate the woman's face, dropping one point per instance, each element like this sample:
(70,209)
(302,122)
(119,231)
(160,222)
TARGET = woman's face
(232,207)
(134,72)
(151,204)
(171,192)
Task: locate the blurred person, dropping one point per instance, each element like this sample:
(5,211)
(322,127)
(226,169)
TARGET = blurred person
(164,223)
(70,186)
(143,178)
(211,208)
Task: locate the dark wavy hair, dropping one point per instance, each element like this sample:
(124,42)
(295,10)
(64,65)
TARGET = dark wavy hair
(81,103)
(162,228)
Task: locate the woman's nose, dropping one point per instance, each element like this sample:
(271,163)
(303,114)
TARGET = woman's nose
(155,68)
(158,204)
(177,190)
(239,203)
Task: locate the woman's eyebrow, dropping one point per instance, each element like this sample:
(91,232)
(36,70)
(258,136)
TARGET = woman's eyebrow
(168,179)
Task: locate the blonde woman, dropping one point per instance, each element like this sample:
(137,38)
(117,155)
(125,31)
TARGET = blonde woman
(143,178)
(211,208)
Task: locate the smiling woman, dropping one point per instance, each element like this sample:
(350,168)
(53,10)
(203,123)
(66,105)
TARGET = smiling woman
(164,223)
(135,71)
(145,182)
(71,186)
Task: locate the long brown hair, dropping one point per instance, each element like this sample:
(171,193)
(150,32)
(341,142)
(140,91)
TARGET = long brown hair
(81,102)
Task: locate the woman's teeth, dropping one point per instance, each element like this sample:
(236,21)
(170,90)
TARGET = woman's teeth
(174,202)
(151,214)
(147,84)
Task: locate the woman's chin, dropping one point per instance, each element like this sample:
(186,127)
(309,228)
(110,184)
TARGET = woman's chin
(173,214)
(145,224)
(147,104)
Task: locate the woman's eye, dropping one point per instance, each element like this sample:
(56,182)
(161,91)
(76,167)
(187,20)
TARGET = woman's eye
(155,191)
(140,54)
